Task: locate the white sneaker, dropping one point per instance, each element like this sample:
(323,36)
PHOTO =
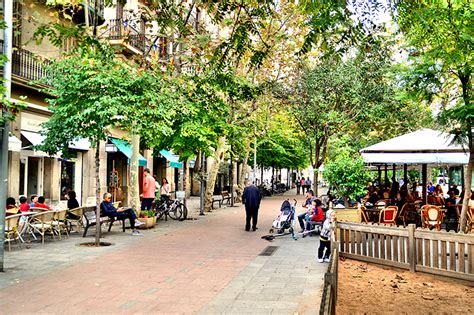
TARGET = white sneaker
(136,233)
(327,260)
(138,223)
(320,260)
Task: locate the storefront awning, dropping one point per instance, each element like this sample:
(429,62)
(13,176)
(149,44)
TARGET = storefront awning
(126,149)
(14,144)
(173,159)
(37,139)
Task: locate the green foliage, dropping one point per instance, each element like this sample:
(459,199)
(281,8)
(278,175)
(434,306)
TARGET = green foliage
(347,176)
(440,39)
(93,92)
(283,145)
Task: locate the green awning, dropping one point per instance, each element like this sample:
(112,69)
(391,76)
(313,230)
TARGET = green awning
(125,147)
(173,159)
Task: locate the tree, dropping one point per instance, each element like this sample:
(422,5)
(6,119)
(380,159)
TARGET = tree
(347,176)
(439,37)
(91,93)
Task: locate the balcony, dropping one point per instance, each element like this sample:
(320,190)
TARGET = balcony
(119,32)
(26,66)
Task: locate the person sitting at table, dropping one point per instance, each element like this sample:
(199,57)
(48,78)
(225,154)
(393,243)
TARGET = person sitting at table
(430,187)
(24,207)
(121,213)
(40,203)
(455,190)
(72,203)
(11,207)
(34,199)
(451,214)
(439,195)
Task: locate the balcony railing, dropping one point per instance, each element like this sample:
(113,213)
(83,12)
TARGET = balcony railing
(120,30)
(26,65)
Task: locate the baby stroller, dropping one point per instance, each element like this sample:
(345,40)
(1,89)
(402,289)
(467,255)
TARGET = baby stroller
(285,219)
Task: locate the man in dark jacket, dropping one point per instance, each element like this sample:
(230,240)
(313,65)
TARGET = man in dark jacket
(120,213)
(251,198)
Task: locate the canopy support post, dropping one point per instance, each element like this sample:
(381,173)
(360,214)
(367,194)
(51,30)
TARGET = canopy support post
(380,176)
(424,172)
(405,173)
(386,176)
(394,170)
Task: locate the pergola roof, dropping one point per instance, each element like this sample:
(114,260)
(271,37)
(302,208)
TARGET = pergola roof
(424,146)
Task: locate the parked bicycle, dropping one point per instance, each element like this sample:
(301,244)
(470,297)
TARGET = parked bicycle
(175,209)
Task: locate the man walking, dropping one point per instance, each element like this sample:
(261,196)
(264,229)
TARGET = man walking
(149,187)
(298,185)
(251,198)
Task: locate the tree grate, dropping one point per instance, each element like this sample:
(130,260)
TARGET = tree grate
(268,251)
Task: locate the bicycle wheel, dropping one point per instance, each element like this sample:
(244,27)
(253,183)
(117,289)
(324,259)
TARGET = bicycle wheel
(185,211)
(176,212)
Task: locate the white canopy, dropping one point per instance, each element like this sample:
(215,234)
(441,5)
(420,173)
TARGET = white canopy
(37,139)
(424,146)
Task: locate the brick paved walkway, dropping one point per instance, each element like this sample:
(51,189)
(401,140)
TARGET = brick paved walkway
(207,266)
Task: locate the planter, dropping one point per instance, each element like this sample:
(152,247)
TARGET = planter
(148,222)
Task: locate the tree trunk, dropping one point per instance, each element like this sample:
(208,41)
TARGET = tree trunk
(185,179)
(467,190)
(134,182)
(241,186)
(315,181)
(97,194)
(212,175)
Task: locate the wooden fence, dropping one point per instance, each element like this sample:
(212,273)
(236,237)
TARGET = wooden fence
(436,252)
(329,297)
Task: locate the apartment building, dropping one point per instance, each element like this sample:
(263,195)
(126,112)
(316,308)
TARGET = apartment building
(32,172)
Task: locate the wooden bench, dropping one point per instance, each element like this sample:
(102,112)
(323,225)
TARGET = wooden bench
(227,197)
(217,199)
(89,219)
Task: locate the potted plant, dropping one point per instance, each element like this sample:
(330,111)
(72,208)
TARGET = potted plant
(148,218)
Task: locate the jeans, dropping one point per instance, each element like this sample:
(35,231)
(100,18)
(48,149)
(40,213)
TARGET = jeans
(324,245)
(301,218)
(128,214)
(298,189)
(146,203)
(251,213)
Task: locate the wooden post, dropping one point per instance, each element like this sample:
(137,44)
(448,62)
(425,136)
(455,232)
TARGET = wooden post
(424,174)
(411,247)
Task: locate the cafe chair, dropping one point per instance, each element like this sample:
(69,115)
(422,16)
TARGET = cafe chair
(11,230)
(432,216)
(388,215)
(362,214)
(42,223)
(380,204)
(470,220)
(59,222)
(403,215)
(74,218)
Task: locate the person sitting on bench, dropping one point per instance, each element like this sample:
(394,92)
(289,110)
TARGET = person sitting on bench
(316,214)
(121,213)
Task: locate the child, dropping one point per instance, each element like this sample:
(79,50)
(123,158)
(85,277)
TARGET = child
(315,213)
(34,199)
(325,238)
(24,207)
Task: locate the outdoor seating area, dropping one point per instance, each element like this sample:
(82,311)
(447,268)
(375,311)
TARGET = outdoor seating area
(399,201)
(40,224)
